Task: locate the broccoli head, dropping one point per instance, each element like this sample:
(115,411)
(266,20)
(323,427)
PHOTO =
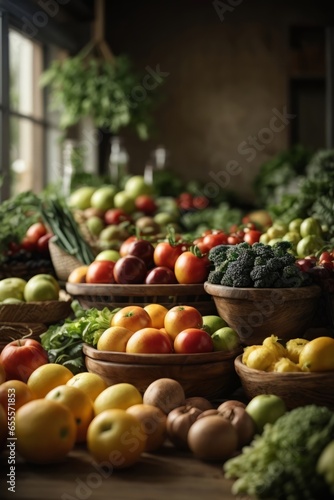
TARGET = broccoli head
(218,253)
(280,248)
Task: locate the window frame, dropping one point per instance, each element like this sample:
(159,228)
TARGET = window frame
(53,33)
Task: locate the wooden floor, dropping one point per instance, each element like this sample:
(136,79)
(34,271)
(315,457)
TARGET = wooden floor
(166,475)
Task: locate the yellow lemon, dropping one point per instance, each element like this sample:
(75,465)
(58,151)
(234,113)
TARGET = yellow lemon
(318,355)
(120,396)
(91,383)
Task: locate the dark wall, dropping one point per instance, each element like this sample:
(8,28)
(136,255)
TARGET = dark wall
(227,81)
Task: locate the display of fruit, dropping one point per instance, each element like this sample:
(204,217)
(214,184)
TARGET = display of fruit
(156,329)
(39,288)
(298,355)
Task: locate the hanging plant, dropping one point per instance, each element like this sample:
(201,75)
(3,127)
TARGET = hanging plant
(99,85)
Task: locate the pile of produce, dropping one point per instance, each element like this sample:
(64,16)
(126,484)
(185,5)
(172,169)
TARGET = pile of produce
(39,288)
(298,355)
(152,329)
(257,265)
(282,462)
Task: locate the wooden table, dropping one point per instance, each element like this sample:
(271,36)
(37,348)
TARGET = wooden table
(164,475)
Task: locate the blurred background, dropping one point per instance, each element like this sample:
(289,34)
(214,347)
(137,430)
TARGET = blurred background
(234,84)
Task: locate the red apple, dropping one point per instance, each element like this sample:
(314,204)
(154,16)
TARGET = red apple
(144,250)
(21,357)
(130,270)
(116,216)
(146,204)
(160,275)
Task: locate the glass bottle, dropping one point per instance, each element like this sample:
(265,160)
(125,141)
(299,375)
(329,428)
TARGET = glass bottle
(157,162)
(118,161)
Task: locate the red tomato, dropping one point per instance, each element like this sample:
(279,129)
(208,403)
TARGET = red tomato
(21,357)
(100,271)
(327,264)
(252,236)
(192,340)
(214,239)
(146,204)
(233,240)
(190,268)
(202,247)
(35,231)
(165,254)
(179,318)
(116,216)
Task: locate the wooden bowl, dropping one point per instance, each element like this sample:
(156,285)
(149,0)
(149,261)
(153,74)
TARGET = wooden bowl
(91,295)
(295,388)
(256,313)
(209,375)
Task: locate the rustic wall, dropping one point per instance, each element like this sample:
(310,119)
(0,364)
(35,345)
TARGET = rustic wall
(225,86)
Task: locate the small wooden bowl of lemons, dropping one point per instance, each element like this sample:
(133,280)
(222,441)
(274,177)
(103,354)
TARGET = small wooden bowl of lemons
(300,372)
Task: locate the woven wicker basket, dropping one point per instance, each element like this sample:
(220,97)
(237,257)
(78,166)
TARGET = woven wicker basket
(16,331)
(36,312)
(27,269)
(63,262)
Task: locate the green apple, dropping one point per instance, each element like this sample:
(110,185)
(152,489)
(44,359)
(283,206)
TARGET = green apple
(113,255)
(265,409)
(103,198)
(293,237)
(12,300)
(47,277)
(95,225)
(225,339)
(113,232)
(80,198)
(309,245)
(294,225)
(164,218)
(310,226)
(12,288)
(125,201)
(40,289)
(136,186)
(264,238)
(212,323)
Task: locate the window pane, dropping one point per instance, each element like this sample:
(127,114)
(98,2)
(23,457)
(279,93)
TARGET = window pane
(25,63)
(25,156)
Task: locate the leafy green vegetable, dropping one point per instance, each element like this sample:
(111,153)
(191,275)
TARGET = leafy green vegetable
(104,90)
(314,195)
(281,463)
(64,342)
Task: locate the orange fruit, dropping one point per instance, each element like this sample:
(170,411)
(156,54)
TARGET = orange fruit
(45,431)
(78,275)
(119,396)
(114,338)
(150,341)
(179,318)
(317,355)
(115,438)
(91,383)
(131,317)
(157,314)
(15,393)
(46,377)
(80,405)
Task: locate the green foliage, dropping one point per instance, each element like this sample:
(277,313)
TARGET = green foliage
(16,215)
(315,194)
(281,463)
(280,175)
(103,90)
(64,342)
